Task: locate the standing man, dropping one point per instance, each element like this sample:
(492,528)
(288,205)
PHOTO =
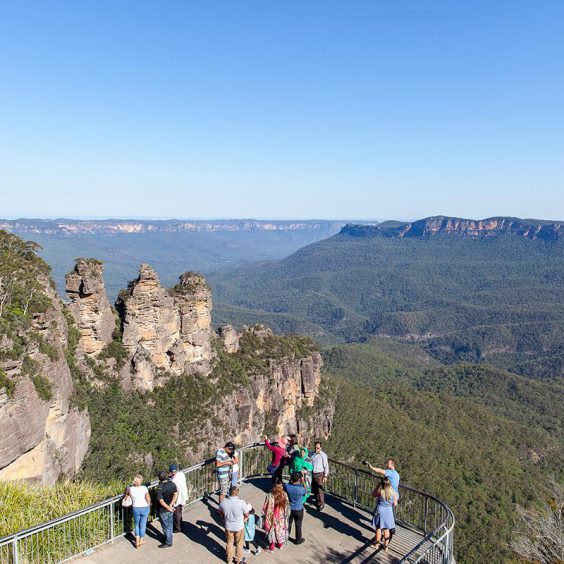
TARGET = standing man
(391,473)
(223,465)
(234,511)
(166,497)
(296,494)
(179,480)
(320,473)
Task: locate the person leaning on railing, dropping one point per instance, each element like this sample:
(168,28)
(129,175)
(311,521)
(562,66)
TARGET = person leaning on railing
(279,456)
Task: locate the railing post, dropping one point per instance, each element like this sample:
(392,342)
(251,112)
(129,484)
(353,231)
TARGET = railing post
(112,511)
(355,492)
(425,515)
(15,554)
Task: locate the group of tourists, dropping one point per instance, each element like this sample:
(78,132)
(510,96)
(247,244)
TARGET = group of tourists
(283,506)
(172,495)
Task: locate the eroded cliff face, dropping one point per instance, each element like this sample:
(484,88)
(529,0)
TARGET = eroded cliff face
(280,395)
(43,436)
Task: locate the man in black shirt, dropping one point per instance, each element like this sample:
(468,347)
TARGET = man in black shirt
(166,496)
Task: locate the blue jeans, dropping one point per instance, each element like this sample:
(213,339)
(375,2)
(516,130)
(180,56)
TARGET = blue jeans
(166,522)
(235,479)
(140,515)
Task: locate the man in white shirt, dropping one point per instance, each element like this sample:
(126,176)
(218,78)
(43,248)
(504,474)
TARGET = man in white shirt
(320,472)
(179,479)
(235,513)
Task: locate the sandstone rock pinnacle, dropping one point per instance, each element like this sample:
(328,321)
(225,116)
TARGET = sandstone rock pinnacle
(89,305)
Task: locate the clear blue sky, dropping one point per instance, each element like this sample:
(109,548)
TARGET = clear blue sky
(279,109)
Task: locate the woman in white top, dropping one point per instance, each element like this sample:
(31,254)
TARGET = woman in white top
(141,503)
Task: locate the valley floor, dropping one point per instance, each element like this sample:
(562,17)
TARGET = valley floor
(340,534)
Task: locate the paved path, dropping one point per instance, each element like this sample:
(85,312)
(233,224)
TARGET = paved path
(339,534)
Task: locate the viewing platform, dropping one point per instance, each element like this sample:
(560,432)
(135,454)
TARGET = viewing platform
(342,532)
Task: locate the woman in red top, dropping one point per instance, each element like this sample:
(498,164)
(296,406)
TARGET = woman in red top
(278,457)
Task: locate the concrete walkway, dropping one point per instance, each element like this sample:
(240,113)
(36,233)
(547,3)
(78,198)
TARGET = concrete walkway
(339,534)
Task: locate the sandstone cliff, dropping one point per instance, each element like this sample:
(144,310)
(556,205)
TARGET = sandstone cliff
(283,395)
(441,225)
(42,435)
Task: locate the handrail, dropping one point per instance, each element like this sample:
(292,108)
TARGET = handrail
(47,542)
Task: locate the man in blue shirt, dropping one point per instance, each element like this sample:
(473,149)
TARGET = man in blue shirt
(390,472)
(296,494)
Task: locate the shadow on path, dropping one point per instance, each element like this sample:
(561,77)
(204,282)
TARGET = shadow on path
(349,513)
(331,522)
(202,533)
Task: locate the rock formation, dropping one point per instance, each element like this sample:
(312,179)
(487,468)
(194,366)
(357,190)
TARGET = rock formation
(229,338)
(43,436)
(89,306)
(165,332)
(234,386)
(441,225)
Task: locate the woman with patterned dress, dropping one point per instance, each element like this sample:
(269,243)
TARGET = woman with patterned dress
(383,520)
(276,510)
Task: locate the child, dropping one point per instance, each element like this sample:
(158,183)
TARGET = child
(250,527)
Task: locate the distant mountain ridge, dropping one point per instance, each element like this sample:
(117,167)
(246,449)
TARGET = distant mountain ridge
(111,226)
(444,225)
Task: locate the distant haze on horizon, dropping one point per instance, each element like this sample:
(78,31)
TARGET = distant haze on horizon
(390,109)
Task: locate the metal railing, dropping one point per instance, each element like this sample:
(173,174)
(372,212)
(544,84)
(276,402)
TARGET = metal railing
(83,531)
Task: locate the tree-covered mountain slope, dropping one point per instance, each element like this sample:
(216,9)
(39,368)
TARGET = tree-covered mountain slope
(496,299)
(480,438)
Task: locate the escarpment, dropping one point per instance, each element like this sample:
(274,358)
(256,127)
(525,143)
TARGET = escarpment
(474,228)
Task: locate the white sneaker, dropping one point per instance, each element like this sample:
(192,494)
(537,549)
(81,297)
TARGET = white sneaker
(247,550)
(259,550)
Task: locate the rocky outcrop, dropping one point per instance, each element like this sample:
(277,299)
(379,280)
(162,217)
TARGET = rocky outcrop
(89,306)
(442,225)
(229,338)
(193,299)
(43,436)
(287,397)
(165,332)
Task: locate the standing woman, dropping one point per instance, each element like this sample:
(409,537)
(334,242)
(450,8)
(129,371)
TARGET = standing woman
(383,520)
(276,510)
(141,502)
